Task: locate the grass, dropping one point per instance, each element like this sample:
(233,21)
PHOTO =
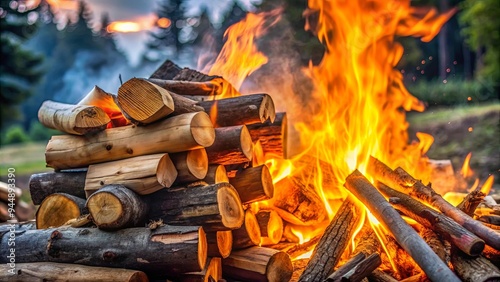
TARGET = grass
(25,158)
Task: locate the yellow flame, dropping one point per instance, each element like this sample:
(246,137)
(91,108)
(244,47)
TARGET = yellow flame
(486,188)
(466,171)
(123,26)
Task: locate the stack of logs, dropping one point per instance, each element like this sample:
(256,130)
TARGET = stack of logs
(12,207)
(167,174)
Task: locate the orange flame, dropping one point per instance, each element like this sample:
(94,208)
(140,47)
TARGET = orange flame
(466,171)
(486,188)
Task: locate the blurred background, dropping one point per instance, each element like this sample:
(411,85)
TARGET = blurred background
(60,49)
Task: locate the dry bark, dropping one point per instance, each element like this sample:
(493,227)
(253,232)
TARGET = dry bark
(232,145)
(253,184)
(272,135)
(44,184)
(167,70)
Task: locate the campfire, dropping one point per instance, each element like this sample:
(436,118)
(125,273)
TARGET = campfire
(188,177)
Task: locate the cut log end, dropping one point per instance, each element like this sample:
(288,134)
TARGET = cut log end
(197,163)
(230,208)
(105,208)
(216,174)
(279,268)
(202,247)
(224,242)
(267,109)
(202,129)
(57,209)
(246,143)
(271,227)
(166,172)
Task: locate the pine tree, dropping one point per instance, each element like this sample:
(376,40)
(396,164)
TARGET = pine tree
(20,68)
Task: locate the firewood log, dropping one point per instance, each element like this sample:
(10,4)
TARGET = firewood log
(216,207)
(211,272)
(404,182)
(272,135)
(51,271)
(191,88)
(258,264)
(380,276)
(240,110)
(44,184)
(449,229)
(271,227)
(216,174)
(115,206)
(167,70)
(144,102)
(72,119)
(258,157)
(219,244)
(471,201)
(253,184)
(473,268)
(144,174)
(248,234)
(57,209)
(5,190)
(165,251)
(106,101)
(232,145)
(185,132)
(411,242)
(434,241)
(356,268)
(191,165)
(333,243)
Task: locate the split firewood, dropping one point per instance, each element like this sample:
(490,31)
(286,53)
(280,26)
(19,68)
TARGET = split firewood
(106,101)
(248,234)
(406,236)
(216,207)
(333,243)
(240,110)
(51,271)
(404,182)
(216,174)
(211,273)
(6,189)
(73,119)
(186,132)
(357,268)
(219,243)
(143,174)
(258,264)
(272,135)
(271,227)
(473,268)
(165,251)
(115,206)
(191,165)
(449,229)
(57,209)
(253,184)
(144,102)
(44,184)
(232,145)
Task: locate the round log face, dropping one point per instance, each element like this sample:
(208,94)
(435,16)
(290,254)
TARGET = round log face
(224,242)
(202,248)
(105,208)
(279,268)
(221,174)
(55,211)
(246,143)
(230,207)
(252,227)
(166,173)
(197,163)
(202,129)
(267,109)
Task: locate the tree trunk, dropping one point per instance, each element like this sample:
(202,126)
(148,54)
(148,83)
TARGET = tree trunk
(57,209)
(143,175)
(253,184)
(166,251)
(232,145)
(186,132)
(114,207)
(73,119)
(44,184)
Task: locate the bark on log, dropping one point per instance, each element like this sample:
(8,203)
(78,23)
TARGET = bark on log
(106,101)
(219,244)
(477,269)
(216,207)
(411,242)
(271,227)
(232,145)
(449,229)
(167,70)
(272,135)
(432,239)
(115,206)
(73,119)
(216,174)
(165,251)
(44,184)
(333,243)
(258,264)
(193,75)
(57,209)
(186,132)
(471,201)
(144,102)
(404,182)
(248,234)
(5,190)
(380,276)
(143,175)
(51,271)
(240,110)
(191,166)
(357,268)
(211,273)
(191,88)
(253,184)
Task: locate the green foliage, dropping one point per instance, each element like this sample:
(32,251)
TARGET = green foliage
(38,132)
(437,93)
(481,28)
(15,134)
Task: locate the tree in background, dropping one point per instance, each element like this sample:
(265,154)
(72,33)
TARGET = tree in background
(481,28)
(20,68)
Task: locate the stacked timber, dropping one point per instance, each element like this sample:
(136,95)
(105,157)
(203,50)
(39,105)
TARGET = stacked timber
(165,170)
